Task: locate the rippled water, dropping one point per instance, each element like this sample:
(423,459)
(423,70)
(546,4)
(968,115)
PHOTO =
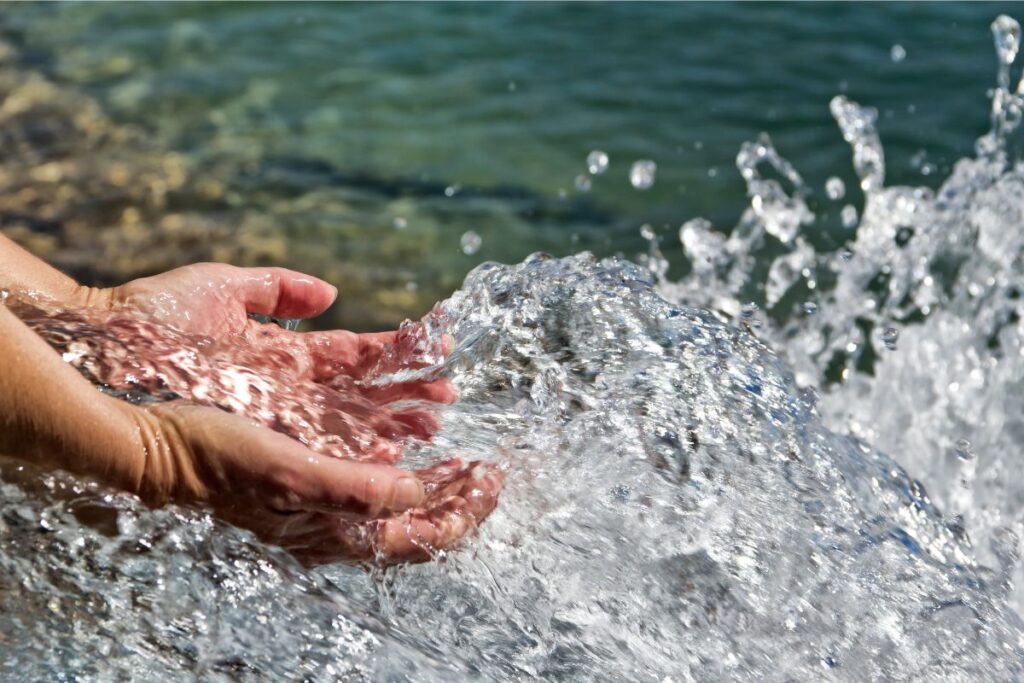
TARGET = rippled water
(360,142)
(796,462)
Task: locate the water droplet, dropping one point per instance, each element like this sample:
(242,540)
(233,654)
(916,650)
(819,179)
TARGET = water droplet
(641,175)
(647,232)
(451,190)
(470,242)
(400,223)
(898,53)
(582,183)
(810,308)
(597,162)
(835,188)
(889,337)
(964,450)
(848,216)
(1006,31)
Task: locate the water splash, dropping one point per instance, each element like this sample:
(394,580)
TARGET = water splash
(699,485)
(597,162)
(470,242)
(641,174)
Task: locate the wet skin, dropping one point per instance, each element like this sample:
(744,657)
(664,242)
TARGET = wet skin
(322,508)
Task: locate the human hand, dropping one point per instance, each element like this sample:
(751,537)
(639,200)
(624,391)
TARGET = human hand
(216,300)
(319,508)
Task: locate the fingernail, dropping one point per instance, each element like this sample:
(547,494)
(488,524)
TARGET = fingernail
(408,492)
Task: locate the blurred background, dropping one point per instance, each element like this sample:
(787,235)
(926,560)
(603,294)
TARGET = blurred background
(390,148)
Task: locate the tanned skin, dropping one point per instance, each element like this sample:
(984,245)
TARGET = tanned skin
(249,475)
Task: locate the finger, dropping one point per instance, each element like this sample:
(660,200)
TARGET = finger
(283,293)
(412,348)
(417,536)
(436,391)
(288,475)
(342,352)
(351,489)
(416,423)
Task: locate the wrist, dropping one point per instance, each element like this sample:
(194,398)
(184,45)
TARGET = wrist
(164,466)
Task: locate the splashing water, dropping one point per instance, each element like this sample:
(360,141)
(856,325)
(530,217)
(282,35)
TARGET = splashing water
(706,477)
(641,174)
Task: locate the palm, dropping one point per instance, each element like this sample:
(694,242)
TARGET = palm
(215,301)
(323,509)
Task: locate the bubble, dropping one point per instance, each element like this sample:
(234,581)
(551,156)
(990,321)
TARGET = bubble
(647,232)
(835,188)
(964,450)
(452,190)
(641,174)
(582,183)
(897,53)
(810,308)
(400,223)
(889,337)
(470,242)
(597,162)
(848,216)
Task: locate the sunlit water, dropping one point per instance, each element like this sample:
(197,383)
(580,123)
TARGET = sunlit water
(371,144)
(794,463)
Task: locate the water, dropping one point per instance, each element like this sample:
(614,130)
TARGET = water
(299,134)
(798,459)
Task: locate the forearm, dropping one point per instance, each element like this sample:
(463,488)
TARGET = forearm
(23,273)
(53,416)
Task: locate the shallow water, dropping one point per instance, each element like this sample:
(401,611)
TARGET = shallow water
(799,461)
(362,141)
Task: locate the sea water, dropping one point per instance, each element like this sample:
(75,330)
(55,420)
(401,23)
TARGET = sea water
(795,462)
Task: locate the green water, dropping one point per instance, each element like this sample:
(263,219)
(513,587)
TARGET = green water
(501,103)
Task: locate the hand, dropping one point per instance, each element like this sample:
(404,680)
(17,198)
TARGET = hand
(215,300)
(321,509)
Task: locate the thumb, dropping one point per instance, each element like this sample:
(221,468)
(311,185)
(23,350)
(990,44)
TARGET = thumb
(283,293)
(352,489)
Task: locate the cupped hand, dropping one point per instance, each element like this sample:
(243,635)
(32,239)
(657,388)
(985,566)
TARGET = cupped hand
(216,300)
(322,509)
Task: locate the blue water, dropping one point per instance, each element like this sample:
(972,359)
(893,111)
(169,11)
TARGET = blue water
(504,101)
(825,486)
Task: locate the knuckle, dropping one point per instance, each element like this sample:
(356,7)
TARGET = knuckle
(286,482)
(377,494)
